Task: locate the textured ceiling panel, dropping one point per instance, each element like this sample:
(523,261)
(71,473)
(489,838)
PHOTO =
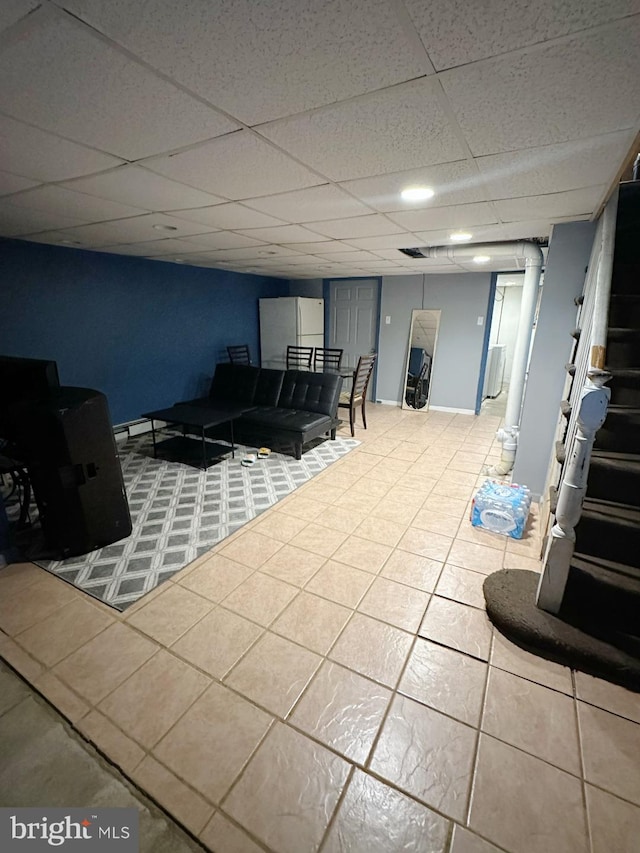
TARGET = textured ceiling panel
(456,32)
(581,86)
(136,186)
(33,153)
(554,168)
(260,61)
(16,221)
(240,165)
(453,183)
(400,128)
(526,125)
(359,226)
(456,216)
(231,215)
(222,240)
(135,230)
(284,234)
(572,203)
(12,10)
(83,89)
(14,183)
(53,199)
(324,202)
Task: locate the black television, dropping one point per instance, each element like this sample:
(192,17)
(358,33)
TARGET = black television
(23,379)
(27,378)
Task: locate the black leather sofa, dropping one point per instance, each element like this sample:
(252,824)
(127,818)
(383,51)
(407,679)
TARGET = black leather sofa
(286,405)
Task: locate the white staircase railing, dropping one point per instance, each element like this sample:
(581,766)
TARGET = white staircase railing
(589,400)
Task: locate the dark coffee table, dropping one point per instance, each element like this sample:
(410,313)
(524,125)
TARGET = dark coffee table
(183,448)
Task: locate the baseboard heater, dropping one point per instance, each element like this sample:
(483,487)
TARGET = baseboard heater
(130,428)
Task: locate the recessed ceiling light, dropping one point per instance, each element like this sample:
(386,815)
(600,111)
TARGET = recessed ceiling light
(70,243)
(165,227)
(460,236)
(178,261)
(417,193)
(482,259)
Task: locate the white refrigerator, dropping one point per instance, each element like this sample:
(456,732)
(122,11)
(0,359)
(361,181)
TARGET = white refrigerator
(289,320)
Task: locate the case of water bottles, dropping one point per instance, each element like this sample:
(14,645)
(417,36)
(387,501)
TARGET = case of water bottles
(501,508)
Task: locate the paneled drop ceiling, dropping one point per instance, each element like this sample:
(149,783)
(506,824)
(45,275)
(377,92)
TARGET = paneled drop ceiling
(275,137)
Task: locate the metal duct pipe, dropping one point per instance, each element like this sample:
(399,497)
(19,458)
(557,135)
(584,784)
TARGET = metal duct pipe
(533,258)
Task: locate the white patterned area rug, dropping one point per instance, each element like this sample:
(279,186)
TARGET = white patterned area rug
(179,512)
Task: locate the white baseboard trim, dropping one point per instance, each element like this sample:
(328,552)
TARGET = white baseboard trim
(453,411)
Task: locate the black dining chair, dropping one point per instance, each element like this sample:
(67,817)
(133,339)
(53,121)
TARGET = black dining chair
(239,354)
(326,357)
(358,395)
(299,358)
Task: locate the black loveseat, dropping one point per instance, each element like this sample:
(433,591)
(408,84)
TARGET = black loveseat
(286,405)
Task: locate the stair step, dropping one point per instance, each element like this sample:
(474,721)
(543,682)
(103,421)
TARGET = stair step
(565,408)
(604,597)
(623,347)
(561,452)
(624,310)
(620,431)
(615,475)
(625,272)
(570,368)
(625,386)
(610,531)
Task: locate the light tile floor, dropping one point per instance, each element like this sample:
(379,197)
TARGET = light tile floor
(327,679)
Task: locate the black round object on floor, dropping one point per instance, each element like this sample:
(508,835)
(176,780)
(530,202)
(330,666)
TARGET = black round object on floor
(510,595)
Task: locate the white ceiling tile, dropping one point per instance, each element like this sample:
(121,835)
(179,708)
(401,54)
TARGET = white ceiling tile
(83,89)
(149,248)
(555,168)
(141,188)
(54,199)
(134,230)
(16,220)
(420,267)
(36,154)
(355,140)
(571,203)
(14,183)
(12,10)
(358,226)
(259,61)
(315,247)
(231,215)
(456,216)
(489,233)
(453,183)
(386,242)
(456,32)
(351,257)
(284,234)
(223,240)
(264,251)
(315,203)
(581,86)
(237,166)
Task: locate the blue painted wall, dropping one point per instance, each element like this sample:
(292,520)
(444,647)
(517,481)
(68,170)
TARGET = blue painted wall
(145,333)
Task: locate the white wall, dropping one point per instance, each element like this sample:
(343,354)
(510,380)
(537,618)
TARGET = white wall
(504,325)
(461,298)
